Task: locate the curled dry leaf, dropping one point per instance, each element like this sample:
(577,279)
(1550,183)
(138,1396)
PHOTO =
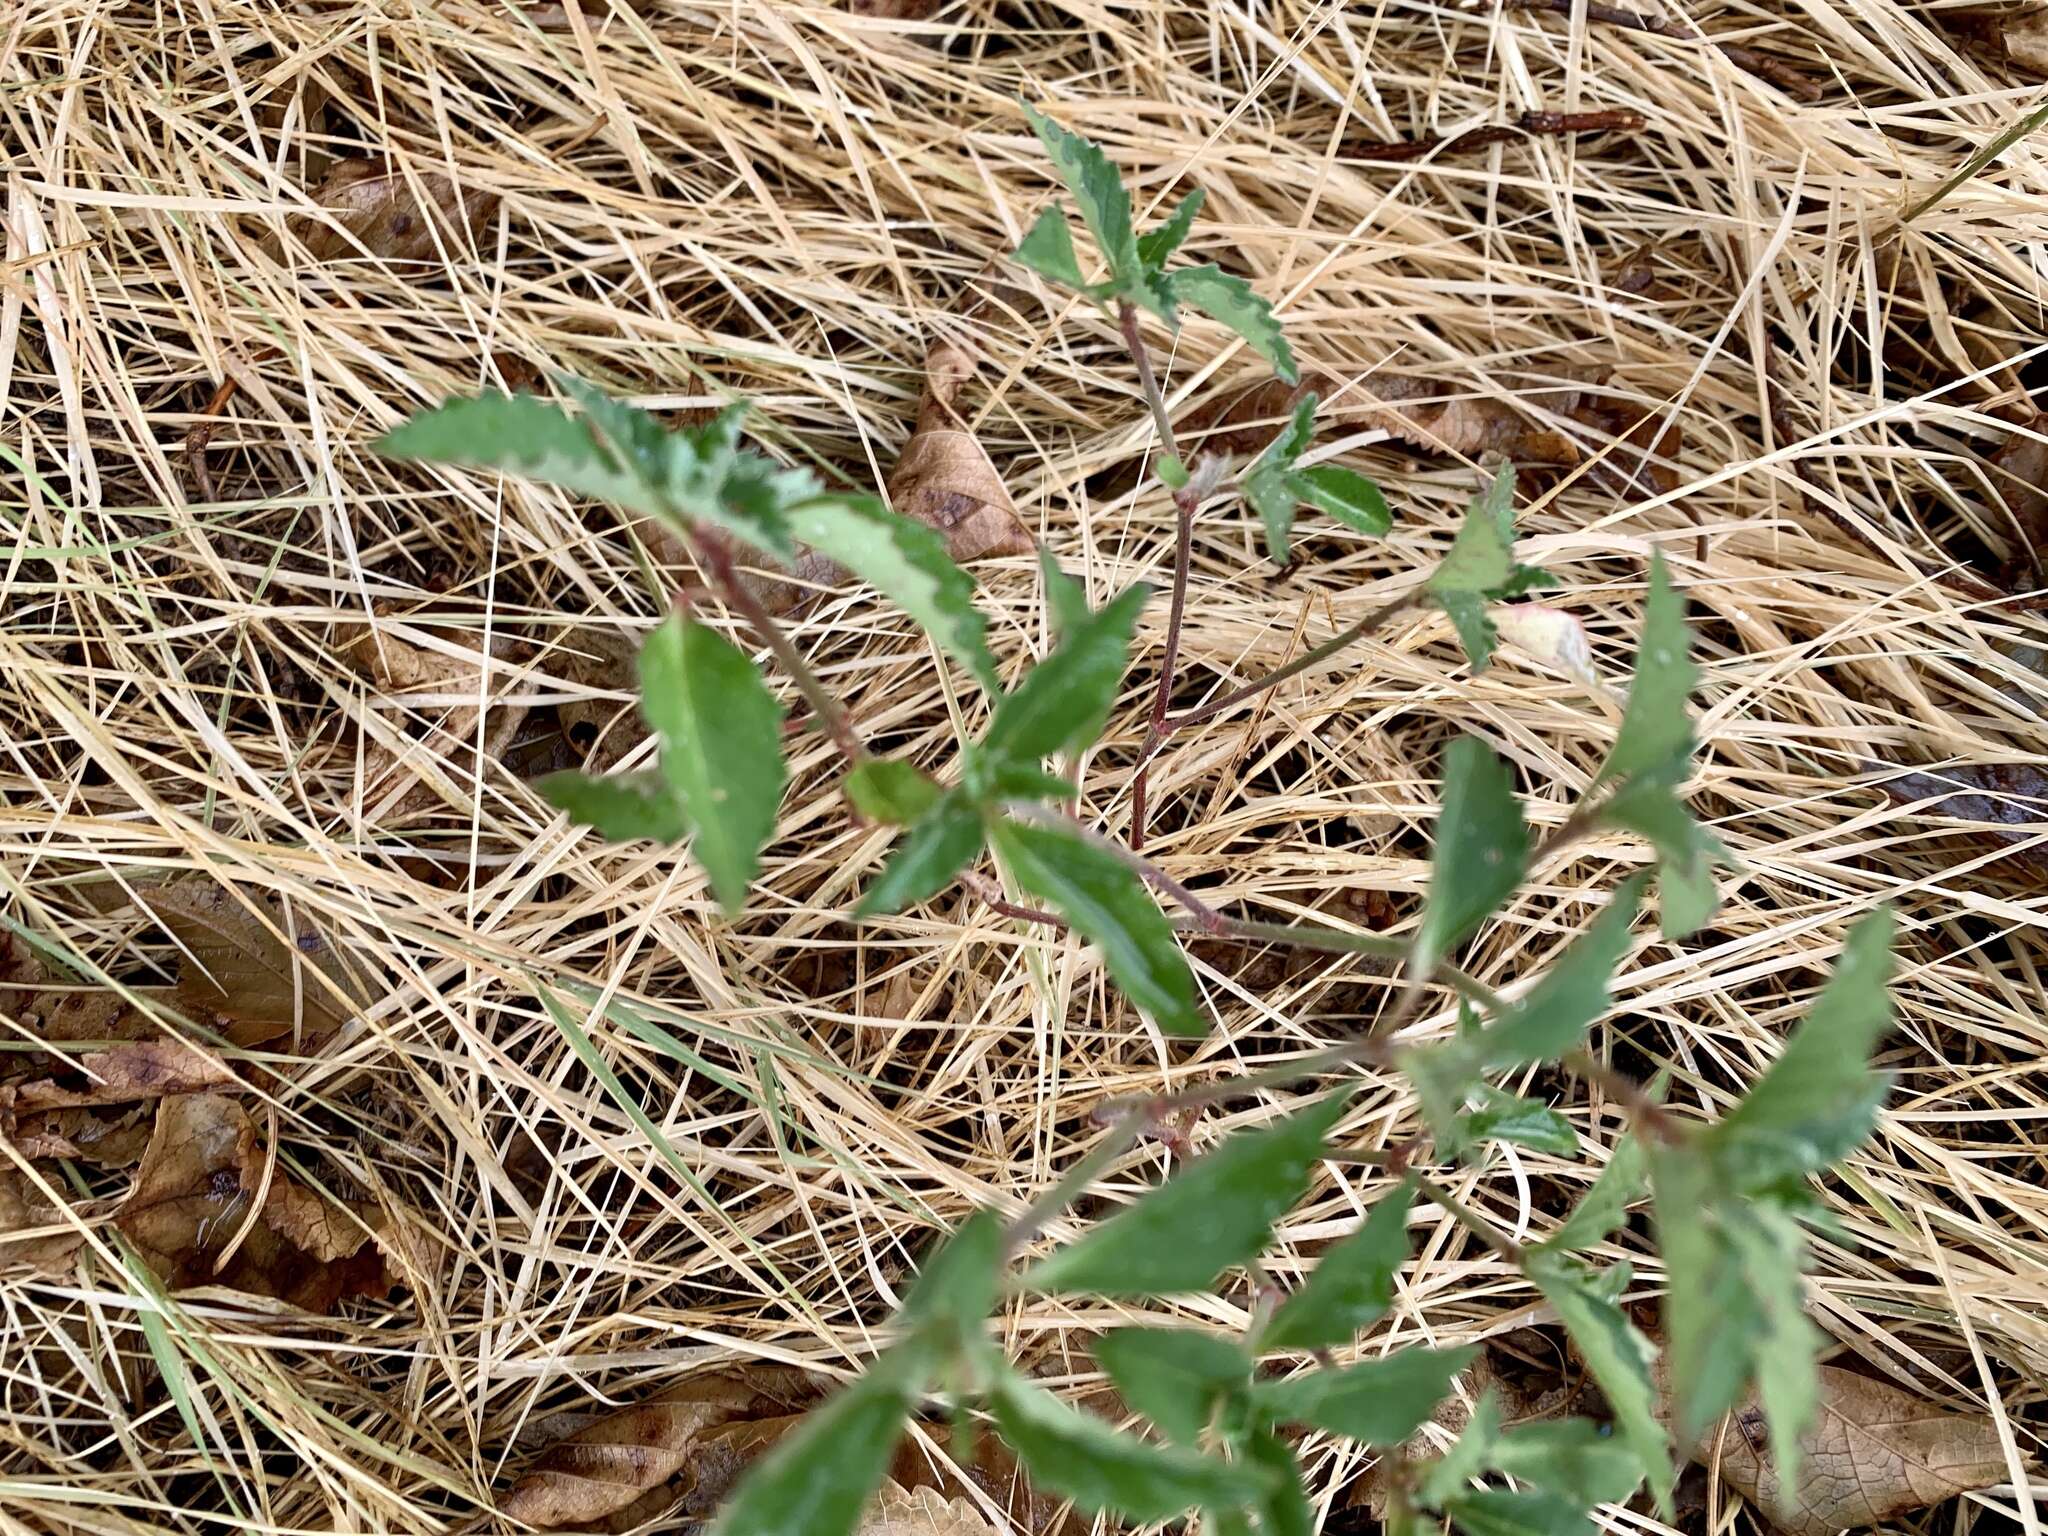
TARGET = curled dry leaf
(111,1140)
(141,1069)
(398,216)
(944,478)
(1875,1452)
(1552,637)
(399,780)
(2009,799)
(189,1216)
(682,1453)
(598,733)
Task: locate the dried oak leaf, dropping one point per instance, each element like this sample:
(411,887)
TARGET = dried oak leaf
(1875,1453)
(373,205)
(189,1216)
(2009,799)
(253,967)
(683,1452)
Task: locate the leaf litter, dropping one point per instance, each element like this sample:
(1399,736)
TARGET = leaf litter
(682,1452)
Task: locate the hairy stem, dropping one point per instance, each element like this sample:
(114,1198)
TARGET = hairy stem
(714,554)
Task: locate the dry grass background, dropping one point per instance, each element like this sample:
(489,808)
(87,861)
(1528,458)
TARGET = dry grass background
(785,201)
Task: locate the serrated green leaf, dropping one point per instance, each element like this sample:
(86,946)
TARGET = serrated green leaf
(1616,1354)
(1230,301)
(956,1289)
(1352,1284)
(1064,700)
(1157,244)
(1771,1247)
(1551,1021)
(1284,1509)
(1173,1376)
(1381,1402)
(1497,1512)
(636,437)
(526,436)
(1270,484)
(1216,1213)
(820,1476)
(1078,1456)
(1098,192)
(1710,1316)
(622,807)
(1655,728)
(1048,250)
(1481,558)
(1819,1100)
(929,858)
(1470,1456)
(1347,496)
(721,747)
(1503,1116)
(1576,1459)
(1605,1206)
(908,563)
(889,790)
(1482,847)
(1106,903)
(1065,598)
(1478,637)
(1687,854)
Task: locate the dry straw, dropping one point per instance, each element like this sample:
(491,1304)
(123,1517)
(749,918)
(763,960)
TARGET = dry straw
(784,201)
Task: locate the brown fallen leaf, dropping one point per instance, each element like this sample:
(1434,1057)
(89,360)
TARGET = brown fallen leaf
(2018,35)
(1622,438)
(2019,472)
(373,205)
(251,966)
(600,732)
(682,1453)
(1875,1452)
(896,10)
(2010,800)
(32,1231)
(112,1140)
(399,781)
(944,478)
(141,1069)
(189,1216)
(900,1511)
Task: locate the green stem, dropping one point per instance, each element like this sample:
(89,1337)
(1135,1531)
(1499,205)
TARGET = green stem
(716,557)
